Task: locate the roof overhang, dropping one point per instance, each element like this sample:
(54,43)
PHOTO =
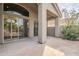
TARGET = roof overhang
(55,5)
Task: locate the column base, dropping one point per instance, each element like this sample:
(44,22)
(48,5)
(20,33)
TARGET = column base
(42,42)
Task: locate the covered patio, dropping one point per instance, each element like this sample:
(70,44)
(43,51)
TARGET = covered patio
(26,15)
(31,47)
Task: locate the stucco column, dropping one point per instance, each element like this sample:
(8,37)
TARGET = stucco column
(31,25)
(1,25)
(57,30)
(42,23)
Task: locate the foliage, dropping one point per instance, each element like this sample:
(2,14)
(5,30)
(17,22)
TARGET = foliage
(71,32)
(71,14)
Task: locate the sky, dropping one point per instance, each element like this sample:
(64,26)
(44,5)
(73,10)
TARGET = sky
(69,6)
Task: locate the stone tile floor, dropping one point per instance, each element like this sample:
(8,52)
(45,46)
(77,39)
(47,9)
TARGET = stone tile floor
(31,47)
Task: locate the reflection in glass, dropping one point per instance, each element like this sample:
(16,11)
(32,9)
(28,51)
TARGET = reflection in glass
(7,27)
(14,28)
(21,28)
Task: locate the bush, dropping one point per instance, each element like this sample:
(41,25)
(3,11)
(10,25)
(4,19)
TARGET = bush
(70,32)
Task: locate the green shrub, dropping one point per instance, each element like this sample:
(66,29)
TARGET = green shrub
(70,32)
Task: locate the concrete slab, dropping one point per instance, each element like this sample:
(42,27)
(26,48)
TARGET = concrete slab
(31,47)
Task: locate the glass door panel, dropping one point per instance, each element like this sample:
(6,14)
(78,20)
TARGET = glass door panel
(26,28)
(21,28)
(15,28)
(7,27)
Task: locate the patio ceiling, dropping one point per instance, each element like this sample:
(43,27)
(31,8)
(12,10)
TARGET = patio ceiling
(16,8)
(50,15)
